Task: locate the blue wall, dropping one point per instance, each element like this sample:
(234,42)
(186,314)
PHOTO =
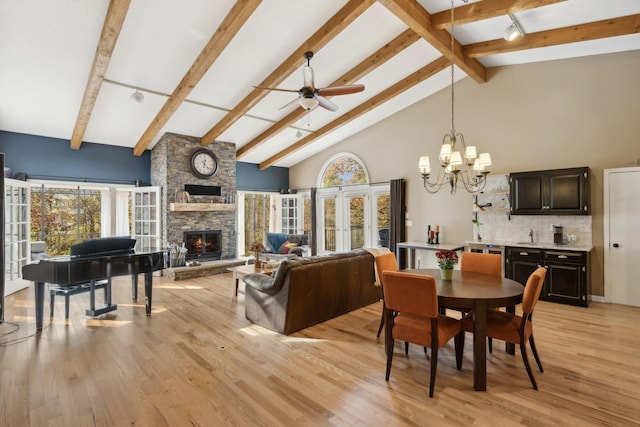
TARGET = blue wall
(250,178)
(52,158)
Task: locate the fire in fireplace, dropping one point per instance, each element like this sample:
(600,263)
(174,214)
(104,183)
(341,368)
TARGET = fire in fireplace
(203,244)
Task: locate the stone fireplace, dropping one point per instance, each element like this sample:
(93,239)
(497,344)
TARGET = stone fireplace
(170,170)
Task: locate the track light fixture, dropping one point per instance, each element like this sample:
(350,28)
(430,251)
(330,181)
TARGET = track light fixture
(514,30)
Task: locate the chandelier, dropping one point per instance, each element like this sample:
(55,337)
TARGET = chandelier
(460,165)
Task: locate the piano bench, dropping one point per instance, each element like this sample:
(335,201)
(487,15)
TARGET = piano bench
(67,291)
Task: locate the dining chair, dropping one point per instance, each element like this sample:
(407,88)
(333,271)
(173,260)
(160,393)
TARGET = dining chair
(514,328)
(477,262)
(482,263)
(411,315)
(384,262)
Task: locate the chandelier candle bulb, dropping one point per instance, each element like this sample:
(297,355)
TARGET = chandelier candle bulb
(424,166)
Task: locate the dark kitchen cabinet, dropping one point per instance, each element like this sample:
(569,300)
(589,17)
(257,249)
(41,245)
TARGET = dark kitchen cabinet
(551,192)
(521,262)
(567,280)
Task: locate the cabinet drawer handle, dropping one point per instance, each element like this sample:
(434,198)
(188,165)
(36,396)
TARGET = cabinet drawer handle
(562,256)
(524,253)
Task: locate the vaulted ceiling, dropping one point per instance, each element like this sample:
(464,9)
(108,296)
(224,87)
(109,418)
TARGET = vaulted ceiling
(68,68)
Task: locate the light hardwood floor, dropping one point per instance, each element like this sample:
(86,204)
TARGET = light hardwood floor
(196,361)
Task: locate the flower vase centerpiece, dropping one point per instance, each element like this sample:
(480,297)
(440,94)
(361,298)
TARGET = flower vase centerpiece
(257,247)
(446,260)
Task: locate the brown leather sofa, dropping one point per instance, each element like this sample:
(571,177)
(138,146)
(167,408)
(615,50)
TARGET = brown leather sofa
(309,290)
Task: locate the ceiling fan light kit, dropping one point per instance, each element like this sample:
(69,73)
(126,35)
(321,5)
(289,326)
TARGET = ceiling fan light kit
(460,164)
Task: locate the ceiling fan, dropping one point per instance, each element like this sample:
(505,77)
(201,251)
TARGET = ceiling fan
(309,96)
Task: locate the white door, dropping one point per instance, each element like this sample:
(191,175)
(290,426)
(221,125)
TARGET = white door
(145,211)
(355,218)
(329,237)
(622,235)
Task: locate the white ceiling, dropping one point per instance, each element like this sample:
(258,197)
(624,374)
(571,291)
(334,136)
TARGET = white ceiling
(47,49)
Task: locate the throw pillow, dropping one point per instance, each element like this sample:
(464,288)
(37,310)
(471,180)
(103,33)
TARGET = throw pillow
(284,249)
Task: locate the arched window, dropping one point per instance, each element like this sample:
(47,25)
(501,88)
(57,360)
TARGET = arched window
(343,169)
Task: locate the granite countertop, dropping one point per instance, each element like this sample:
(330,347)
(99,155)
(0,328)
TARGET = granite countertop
(569,246)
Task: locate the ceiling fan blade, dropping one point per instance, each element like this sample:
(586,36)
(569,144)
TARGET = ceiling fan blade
(307,72)
(276,89)
(289,104)
(340,90)
(325,103)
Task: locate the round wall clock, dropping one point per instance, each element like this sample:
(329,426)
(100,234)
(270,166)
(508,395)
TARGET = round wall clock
(204,164)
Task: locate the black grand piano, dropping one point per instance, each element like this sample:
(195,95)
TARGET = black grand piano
(93,260)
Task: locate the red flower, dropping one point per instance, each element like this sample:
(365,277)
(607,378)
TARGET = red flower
(446,258)
(257,247)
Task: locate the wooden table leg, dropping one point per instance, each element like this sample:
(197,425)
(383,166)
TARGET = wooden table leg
(479,346)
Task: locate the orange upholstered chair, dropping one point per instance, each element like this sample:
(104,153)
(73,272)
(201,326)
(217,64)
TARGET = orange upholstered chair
(490,264)
(411,312)
(384,262)
(514,328)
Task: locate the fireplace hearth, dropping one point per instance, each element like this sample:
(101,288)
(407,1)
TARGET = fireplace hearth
(203,244)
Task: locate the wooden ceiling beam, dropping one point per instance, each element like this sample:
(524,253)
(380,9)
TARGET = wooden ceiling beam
(418,19)
(379,99)
(111,28)
(233,22)
(378,58)
(486,9)
(324,35)
(576,33)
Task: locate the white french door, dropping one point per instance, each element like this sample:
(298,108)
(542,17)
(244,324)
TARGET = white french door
(355,218)
(349,218)
(329,237)
(145,210)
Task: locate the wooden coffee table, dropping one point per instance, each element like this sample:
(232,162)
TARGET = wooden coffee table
(242,270)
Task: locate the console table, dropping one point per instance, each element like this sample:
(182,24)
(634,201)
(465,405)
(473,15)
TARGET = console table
(411,248)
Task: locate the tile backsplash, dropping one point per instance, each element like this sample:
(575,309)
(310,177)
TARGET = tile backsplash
(498,227)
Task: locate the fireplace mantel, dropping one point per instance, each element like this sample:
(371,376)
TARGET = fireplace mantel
(201,207)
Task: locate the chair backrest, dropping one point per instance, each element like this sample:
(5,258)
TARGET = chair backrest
(477,262)
(385,262)
(532,289)
(410,293)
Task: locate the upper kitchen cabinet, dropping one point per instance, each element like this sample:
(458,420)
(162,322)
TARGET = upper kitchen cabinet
(550,192)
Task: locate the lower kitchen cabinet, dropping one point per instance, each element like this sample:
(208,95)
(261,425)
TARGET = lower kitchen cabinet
(568,280)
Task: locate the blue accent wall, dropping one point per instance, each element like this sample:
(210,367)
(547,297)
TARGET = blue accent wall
(53,159)
(250,178)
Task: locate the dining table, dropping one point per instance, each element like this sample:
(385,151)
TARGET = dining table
(477,293)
